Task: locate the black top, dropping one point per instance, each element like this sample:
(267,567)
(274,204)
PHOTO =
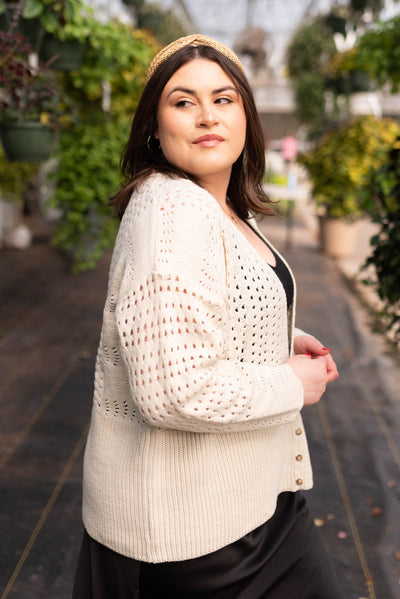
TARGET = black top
(281,271)
(285,277)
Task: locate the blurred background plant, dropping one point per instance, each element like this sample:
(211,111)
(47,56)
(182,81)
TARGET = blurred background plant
(311,48)
(380,197)
(15,181)
(340,160)
(103,95)
(17,17)
(353,164)
(164,24)
(88,170)
(330,57)
(378,53)
(322,79)
(91,106)
(65,19)
(26,93)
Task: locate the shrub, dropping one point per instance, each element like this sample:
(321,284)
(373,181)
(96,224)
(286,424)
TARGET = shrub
(15,178)
(342,158)
(88,173)
(91,142)
(381,199)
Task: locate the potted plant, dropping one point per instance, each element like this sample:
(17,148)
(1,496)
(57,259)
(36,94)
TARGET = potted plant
(67,26)
(337,166)
(29,102)
(21,17)
(15,180)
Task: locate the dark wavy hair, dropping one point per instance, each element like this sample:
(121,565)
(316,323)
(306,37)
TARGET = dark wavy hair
(139,160)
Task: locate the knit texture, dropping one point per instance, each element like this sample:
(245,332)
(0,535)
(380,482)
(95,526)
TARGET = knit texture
(196,422)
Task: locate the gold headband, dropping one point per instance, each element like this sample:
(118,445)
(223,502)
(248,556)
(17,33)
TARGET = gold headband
(190,40)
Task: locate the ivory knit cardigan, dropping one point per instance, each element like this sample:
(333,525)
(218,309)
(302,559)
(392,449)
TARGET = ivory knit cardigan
(196,424)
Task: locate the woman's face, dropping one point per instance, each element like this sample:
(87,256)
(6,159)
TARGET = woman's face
(201,120)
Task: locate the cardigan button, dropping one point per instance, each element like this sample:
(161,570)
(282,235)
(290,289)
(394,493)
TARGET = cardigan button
(299,431)
(299,458)
(299,482)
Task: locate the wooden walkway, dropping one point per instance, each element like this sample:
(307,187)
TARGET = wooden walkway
(49,329)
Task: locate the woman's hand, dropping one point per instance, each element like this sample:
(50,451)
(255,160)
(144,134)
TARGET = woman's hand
(314,366)
(305,344)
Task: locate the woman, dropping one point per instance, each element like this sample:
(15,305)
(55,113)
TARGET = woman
(196,449)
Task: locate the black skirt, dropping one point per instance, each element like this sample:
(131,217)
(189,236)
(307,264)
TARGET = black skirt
(282,559)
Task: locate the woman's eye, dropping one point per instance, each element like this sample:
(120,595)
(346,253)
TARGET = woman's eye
(183,103)
(224,100)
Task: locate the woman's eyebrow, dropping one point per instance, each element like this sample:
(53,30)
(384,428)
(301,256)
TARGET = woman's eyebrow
(185,90)
(192,92)
(224,89)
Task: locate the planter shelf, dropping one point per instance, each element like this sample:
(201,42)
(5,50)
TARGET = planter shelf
(27,141)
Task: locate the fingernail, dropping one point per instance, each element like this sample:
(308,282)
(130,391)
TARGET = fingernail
(327,348)
(308,354)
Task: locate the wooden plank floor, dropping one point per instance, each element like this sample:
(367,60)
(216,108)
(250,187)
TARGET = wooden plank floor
(49,329)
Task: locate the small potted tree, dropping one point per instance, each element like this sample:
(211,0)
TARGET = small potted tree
(337,166)
(29,102)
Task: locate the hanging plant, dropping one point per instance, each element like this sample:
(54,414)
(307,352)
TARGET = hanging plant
(18,17)
(83,184)
(29,102)
(66,25)
(119,55)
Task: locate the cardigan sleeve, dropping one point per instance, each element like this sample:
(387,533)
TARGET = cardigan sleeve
(172,325)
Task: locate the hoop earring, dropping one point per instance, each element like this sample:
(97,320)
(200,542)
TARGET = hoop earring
(151,150)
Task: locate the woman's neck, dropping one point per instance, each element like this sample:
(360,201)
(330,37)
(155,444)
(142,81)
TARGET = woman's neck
(217,186)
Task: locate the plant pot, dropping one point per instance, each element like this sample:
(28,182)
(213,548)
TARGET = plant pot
(27,141)
(338,236)
(8,218)
(70,54)
(32,29)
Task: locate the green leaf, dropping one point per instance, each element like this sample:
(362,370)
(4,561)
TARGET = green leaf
(32,9)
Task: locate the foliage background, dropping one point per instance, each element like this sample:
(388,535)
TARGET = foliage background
(381,198)
(97,103)
(342,158)
(92,139)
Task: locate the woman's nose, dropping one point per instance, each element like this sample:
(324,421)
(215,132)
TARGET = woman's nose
(207,117)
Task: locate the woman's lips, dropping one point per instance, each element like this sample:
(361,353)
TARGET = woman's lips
(208,141)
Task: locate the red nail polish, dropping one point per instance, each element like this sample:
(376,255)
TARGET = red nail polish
(327,348)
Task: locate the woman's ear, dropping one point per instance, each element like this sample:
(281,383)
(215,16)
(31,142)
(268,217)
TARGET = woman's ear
(155,134)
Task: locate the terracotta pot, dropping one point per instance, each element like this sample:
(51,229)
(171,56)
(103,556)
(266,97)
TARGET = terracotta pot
(338,236)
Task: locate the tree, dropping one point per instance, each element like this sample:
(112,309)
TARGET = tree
(318,70)
(310,50)
(378,53)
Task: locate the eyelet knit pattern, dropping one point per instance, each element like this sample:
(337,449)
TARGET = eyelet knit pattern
(196,418)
